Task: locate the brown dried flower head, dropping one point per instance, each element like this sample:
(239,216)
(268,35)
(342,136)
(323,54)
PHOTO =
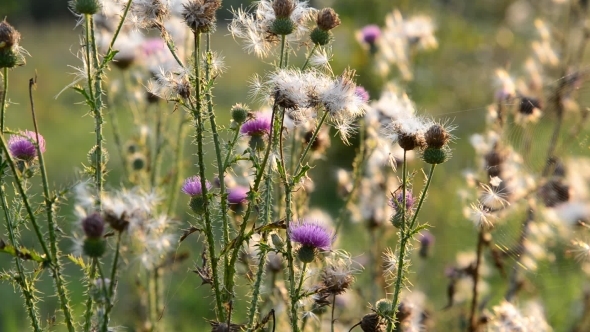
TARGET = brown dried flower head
(199,15)
(336,279)
(8,35)
(437,136)
(412,141)
(283,8)
(372,323)
(327,19)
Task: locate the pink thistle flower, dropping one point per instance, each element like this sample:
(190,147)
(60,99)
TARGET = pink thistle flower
(192,186)
(311,235)
(21,146)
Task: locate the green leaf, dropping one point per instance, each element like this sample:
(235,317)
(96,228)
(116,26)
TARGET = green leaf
(22,253)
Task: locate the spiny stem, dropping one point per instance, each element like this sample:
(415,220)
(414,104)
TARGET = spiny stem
(333,308)
(201,155)
(311,141)
(97,113)
(88,312)
(55,261)
(111,291)
(315,46)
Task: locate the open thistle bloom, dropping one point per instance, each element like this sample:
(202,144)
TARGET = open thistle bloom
(237,196)
(261,27)
(192,186)
(311,236)
(22,146)
(256,128)
(370,33)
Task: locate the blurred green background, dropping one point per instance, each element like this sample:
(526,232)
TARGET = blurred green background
(453,81)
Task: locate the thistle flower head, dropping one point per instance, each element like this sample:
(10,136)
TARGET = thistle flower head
(257,126)
(93,225)
(310,234)
(327,19)
(199,15)
(283,8)
(237,195)
(192,186)
(438,135)
(11,54)
(397,201)
(338,275)
(370,33)
(148,14)
(408,132)
(171,84)
(22,146)
(9,37)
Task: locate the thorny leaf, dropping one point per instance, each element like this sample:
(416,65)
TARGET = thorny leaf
(84,94)
(297,178)
(22,253)
(204,272)
(189,232)
(78,261)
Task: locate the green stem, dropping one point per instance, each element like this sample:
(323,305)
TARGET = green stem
(52,225)
(97,113)
(201,155)
(4,94)
(110,294)
(315,46)
(283,42)
(88,312)
(333,308)
(313,137)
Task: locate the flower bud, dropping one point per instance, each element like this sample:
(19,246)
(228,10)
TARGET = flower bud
(89,7)
(320,37)
(306,254)
(282,26)
(94,247)
(384,307)
(257,143)
(93,225)
(436,136)
(327,19)
(435,156)
(239,113)
(197,204)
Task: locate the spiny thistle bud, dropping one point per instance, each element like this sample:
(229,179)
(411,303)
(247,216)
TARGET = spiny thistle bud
(435,156)
(8,36)
(199,15)
(92,155)
(306,254)
(320,37)
(371,323)
(239,113)
(89,7)
(327,19)
(197,204)
(283,8)
(94,247)
(282,26)
(437,136)
(384,307)
(93,225)
(257,143)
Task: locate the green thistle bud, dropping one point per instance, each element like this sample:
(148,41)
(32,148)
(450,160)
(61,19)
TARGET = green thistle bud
(239,113)
(320,37)
(384,307)
(8,59)
(306,254)
(282,26)
(89,7)
(94,247)
(257,142)
(197,204)
(435,156)
(397,219)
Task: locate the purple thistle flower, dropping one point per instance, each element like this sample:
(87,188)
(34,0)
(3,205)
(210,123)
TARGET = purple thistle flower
(426,242)
(237,194)
(370,33)
(396,201)
(258,126)
(21,147)
(311,235)
(192,186)
(362,93)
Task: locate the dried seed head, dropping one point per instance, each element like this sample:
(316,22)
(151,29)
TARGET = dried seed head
(554,193)
(199,15)
(371,323)
(437,136)
(528,105)
(93,225)
(223,327)
(494,160)
(336,279)
(283,8)
(8,36)
(412,141)
(327,19)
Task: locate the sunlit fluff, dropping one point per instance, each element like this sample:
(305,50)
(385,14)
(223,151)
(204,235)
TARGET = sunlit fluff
(148,14)
(253,26)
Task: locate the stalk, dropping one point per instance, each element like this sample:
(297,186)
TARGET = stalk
(110,293)
(208,227)
(52,225)
(97,113)
(315,46)
(4,94)
(472,315)
(88,312)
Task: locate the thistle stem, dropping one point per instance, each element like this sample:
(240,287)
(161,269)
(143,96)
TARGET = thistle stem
(110,293)
(4,94)
(472,313)
(88,312)
(315,46)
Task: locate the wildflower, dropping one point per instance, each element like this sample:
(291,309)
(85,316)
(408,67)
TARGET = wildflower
(269,19)
(239,113)
(397,200)
(311,236)
(326,20)
(22,146)
(426,241)
(193,187)
(338,275)
(199,15)
(372,323)
(11,54)
(149,14)
(236,197)
(370,33)
(257,128)
(94,245)
(437,137)
(494,197)
(362,93)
